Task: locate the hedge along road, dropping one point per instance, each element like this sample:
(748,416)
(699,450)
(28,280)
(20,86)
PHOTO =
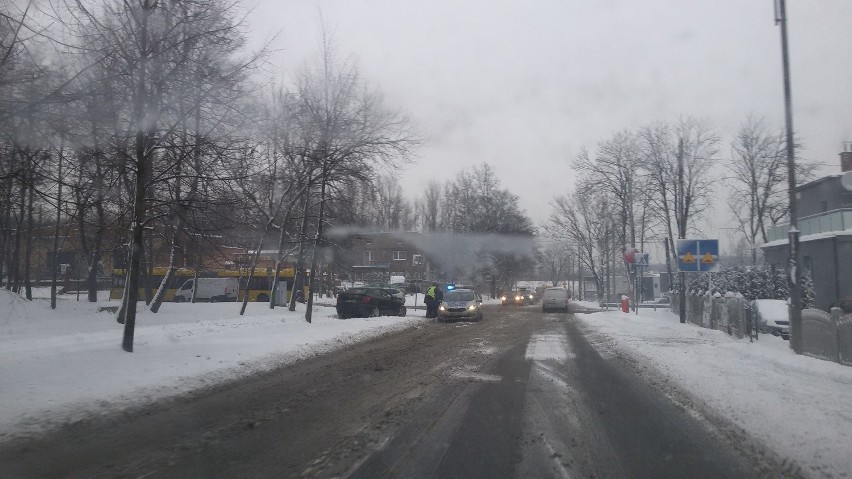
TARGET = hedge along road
(519,394)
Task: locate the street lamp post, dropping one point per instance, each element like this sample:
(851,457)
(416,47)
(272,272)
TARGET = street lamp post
(793,273)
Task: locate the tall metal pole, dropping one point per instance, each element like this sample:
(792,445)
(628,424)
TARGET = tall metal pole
(794,276)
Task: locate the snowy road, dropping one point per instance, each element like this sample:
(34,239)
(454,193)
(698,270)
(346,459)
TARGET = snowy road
(520,394)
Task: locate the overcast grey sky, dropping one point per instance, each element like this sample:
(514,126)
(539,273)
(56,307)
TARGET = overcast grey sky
(524,85)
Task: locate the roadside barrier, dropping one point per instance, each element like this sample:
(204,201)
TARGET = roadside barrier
(731,313)
(826,336)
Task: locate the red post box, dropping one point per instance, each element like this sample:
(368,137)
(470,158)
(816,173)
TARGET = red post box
(625,304)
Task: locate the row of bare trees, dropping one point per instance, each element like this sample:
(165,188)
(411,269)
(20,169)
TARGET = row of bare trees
(143,120)
(658,183)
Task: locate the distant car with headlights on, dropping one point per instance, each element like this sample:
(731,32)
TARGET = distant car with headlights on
(513,298)
(369,302)
(528,294)
(460,304)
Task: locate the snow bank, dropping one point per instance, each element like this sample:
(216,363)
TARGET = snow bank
(60,365)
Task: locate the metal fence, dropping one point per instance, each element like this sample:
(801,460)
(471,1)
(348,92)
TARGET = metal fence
(827,335)
(732,315)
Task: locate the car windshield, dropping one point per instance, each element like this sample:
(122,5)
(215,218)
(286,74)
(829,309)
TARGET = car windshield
(352,190)
(360,291)
(459,296)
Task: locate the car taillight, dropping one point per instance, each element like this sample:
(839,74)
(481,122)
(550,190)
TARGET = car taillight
(366,299)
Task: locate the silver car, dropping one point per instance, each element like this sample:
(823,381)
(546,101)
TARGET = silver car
(554,299)
(460,304)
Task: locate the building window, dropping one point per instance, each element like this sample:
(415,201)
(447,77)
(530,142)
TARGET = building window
(368,241)
(808,263)
(399,255)
(368,258)
(417,259)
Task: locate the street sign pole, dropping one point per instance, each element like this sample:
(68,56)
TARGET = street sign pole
(794,275)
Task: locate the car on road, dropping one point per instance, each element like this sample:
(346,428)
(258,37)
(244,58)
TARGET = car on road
(460,304)
(528,295)
(772,317)
(512,298)
(554,299)
(369,302)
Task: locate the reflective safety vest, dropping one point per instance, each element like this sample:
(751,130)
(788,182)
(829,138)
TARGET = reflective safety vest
(431,292)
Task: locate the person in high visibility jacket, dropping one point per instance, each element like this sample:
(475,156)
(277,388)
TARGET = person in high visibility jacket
(431,301)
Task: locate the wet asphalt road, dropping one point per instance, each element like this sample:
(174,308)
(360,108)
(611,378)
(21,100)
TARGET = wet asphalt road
(520,394)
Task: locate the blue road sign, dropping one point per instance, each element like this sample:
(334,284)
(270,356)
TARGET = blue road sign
(698,255)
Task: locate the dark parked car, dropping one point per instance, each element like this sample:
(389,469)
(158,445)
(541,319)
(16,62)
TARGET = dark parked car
(399,293)
(367,301)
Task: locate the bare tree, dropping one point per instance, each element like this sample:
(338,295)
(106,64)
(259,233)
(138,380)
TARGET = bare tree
(586,219)
(149,46)
(431,206)
(351,132)
(758,179)
(679,162)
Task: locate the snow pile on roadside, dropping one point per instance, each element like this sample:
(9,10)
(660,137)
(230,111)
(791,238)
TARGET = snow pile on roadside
(61,365)
(799,406)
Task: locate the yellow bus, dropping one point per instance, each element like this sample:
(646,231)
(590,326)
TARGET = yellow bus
(261,282)
(259,289)
(150,282)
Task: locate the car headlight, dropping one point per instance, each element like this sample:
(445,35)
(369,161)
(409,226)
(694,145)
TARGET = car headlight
(442,308)
(531,297)
(502,298)
(471,307)
(517,298)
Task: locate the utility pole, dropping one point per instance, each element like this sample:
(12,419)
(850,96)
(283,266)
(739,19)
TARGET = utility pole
(794,276)
(681,229)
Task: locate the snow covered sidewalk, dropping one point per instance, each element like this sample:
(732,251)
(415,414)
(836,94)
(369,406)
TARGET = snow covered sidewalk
(799,406)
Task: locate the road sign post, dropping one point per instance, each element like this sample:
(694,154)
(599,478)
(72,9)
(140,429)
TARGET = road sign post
(695,256)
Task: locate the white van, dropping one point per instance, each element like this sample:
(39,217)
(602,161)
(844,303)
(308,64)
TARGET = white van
(554,299)
(209,289)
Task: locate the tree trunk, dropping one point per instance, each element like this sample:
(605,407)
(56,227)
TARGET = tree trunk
(28,287)
(317,240)
(300,260)
(16,255)
(55,268)
(5,236)
(160,296)
(137,239)
(254,259)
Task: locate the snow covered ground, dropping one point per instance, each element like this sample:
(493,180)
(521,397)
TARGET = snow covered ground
(58,366)
(799,406)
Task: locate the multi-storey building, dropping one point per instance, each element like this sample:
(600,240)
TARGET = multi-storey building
(378,256)
(824,219)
